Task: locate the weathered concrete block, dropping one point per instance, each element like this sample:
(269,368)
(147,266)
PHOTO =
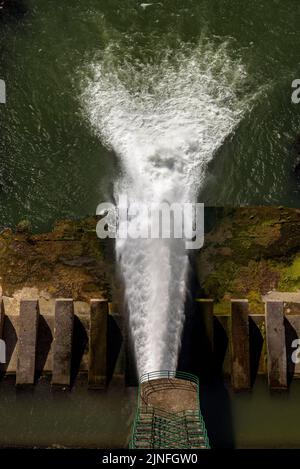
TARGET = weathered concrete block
(97,374)
(62,344)
(240,375)
(276,346)
(28,326)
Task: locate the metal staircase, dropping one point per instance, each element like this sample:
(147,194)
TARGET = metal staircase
(157,428)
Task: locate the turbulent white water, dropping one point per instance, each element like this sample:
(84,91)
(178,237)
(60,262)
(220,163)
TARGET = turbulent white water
(164,120)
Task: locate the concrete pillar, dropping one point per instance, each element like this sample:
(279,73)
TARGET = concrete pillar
(240,358)
(276,346)
(28,326)
(97,374)
(62,342)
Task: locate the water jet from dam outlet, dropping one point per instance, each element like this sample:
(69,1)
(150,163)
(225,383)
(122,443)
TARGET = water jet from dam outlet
(164,120)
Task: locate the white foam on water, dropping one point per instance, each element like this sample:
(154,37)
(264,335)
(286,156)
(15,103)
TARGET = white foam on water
(164,120)
(145,5)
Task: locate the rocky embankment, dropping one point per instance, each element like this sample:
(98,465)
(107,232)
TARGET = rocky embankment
(69,262)
(250,252)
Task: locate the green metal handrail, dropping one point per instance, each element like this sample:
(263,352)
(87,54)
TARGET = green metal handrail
(169,437)
(169,374)
(166,418)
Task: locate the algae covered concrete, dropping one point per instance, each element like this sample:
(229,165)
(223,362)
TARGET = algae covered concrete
(68,262)
(249,252)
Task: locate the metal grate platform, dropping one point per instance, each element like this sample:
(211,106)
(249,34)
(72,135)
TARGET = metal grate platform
(168,414)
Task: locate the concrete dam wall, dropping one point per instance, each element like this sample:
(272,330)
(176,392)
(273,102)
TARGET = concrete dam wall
(63,338)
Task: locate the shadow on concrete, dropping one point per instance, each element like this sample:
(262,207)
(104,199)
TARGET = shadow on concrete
(196,355)
(114,344)
(131,372)
(79,344)
(220,347)
(43,345)
(255,348)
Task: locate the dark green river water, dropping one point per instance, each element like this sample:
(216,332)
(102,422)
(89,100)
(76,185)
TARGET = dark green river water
(82,418)
(51,163)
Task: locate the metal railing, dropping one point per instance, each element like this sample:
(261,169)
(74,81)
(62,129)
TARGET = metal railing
(160,380)
(169,374)
(166,429)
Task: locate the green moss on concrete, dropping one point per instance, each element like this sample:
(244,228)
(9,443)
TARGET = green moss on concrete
(70,261)
(248,253)
(290,279)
